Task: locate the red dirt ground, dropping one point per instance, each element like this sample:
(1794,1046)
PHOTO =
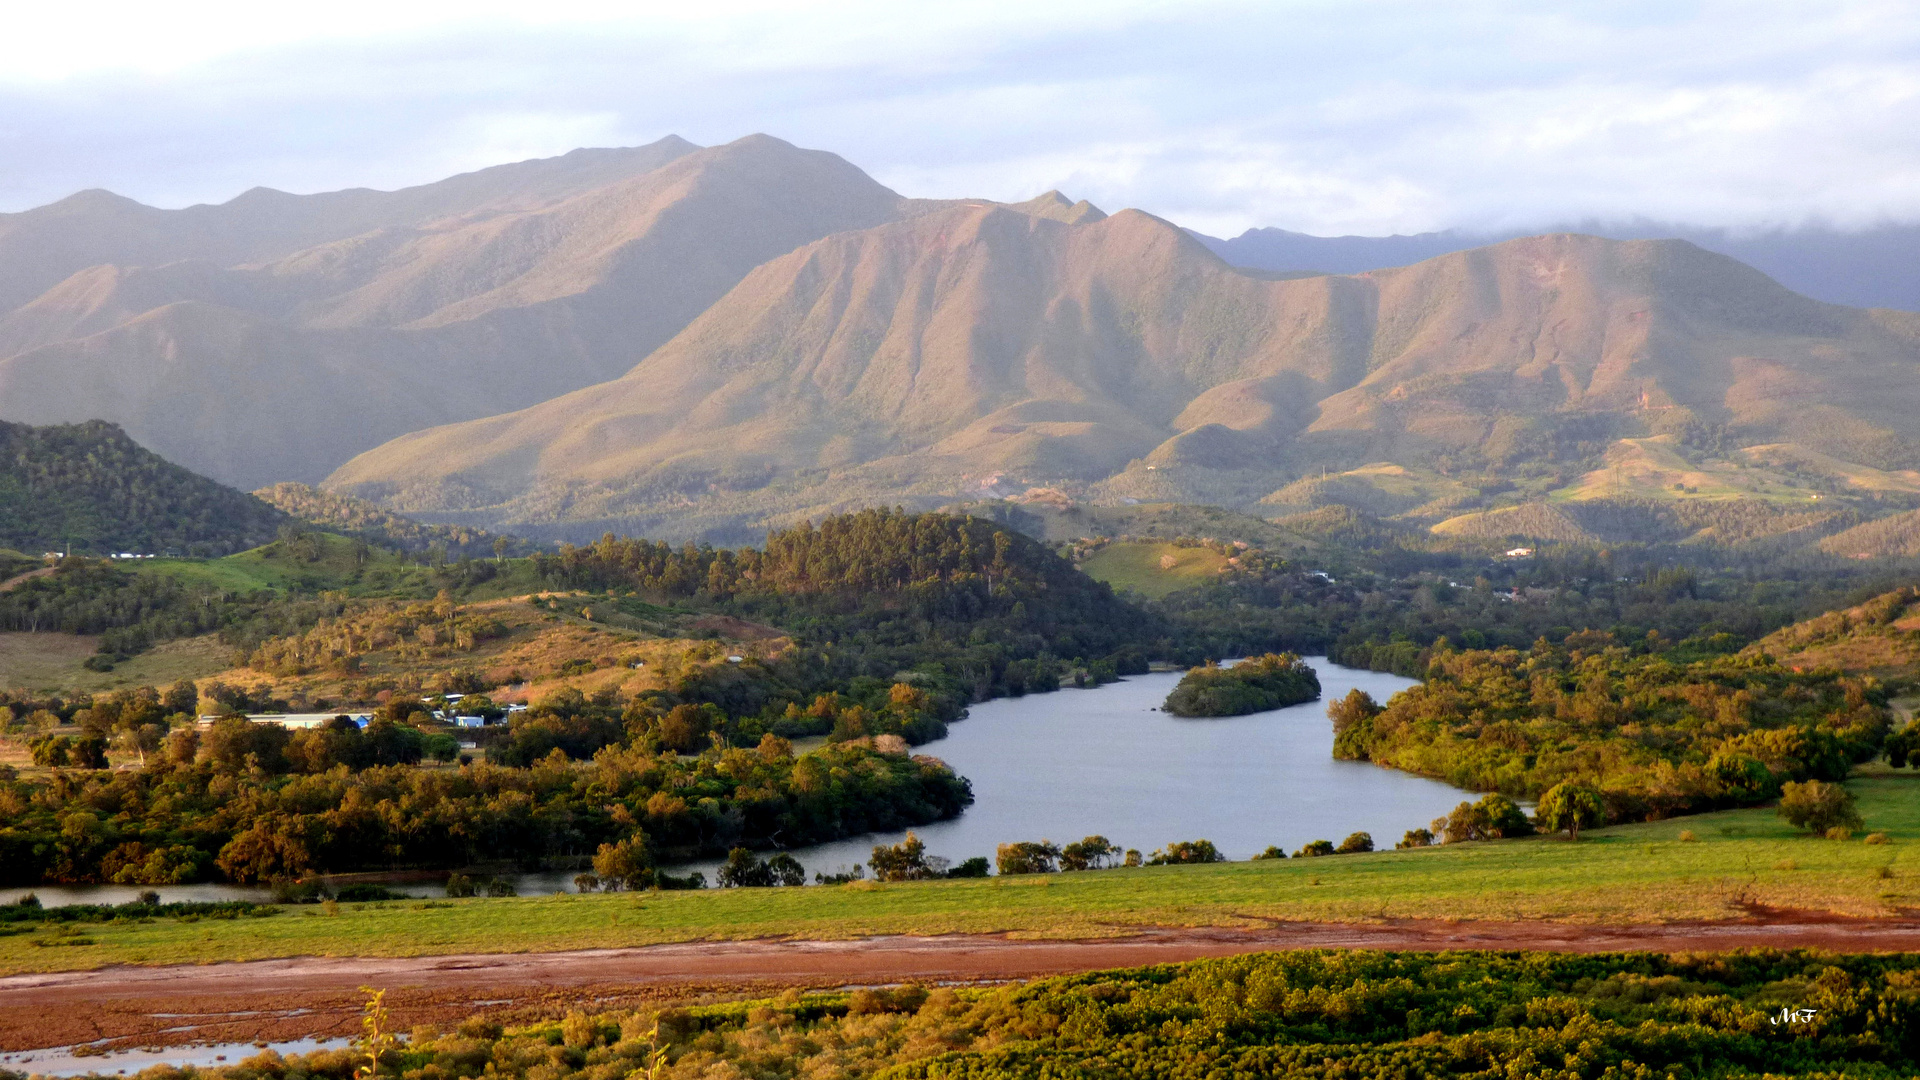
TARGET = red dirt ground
(273,1000)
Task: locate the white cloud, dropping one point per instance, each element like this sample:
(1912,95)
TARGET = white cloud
(1317,115)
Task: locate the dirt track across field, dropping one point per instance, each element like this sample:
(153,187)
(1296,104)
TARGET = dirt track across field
(273,1000)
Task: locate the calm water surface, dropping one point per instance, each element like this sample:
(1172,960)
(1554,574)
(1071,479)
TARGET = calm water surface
(1070,764)
(1078,762)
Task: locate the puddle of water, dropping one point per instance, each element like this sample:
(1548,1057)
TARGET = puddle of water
(63,1061)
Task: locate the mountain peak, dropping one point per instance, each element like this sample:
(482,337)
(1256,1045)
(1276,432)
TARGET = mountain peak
(1058,207)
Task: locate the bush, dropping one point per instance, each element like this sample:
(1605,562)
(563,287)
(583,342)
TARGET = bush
(1415,838)
(976,867)
(1272,852)
(1818,807)
(905,861)
(1186,852)
(1092,853)
(1027,857)
(1494,817)
(744,870)
(1314,849)
(1355,844)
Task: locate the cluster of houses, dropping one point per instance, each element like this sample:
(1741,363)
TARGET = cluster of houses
(302,721)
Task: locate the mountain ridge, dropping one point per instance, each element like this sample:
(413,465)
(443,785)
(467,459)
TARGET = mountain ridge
(978,347)
(291,366)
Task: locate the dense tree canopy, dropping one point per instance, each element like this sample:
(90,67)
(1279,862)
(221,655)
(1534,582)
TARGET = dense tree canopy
(89,488)
(223,813)
(1257,684)
(1652,736)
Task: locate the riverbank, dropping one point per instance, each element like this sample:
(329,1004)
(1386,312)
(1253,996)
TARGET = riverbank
(1737,863)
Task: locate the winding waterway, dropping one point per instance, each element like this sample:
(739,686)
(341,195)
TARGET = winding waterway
(1074,763)
(1066,765)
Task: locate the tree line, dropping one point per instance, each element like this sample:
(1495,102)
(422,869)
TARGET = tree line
(1648,736)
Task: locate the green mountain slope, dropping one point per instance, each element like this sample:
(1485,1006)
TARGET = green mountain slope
(88,488)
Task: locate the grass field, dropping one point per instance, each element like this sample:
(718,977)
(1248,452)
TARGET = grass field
(52,663)
(1151,569)
(1627,874)
(1654,468)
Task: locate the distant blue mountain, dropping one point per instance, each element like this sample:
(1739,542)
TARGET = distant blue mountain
(1877,267)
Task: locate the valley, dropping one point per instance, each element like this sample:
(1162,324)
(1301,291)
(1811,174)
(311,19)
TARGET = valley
(771,575)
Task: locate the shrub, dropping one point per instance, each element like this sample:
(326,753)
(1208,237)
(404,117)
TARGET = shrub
(1315,849)
(1027,857)
(745,870)
(1818,807)
(1415,838)
(1876,838)
(1355,844)
(1494,817)
(905,861)
(976,867)
(1271,853)
(1092,853)
(1687,837)
(1186,852)
(624,865)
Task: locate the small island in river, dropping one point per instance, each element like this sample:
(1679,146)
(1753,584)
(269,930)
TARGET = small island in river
(1256,684)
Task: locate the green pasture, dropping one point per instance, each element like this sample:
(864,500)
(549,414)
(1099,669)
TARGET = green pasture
(1642,873)
(1153,569)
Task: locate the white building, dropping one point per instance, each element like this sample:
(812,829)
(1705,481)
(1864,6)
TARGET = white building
(297,721)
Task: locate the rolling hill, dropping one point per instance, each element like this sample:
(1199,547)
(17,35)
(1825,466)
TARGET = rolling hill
(89,489)
(983,349)
(273,337)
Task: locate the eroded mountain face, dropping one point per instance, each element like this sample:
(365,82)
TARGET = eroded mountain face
(276,336)
(992,349)
(702,342)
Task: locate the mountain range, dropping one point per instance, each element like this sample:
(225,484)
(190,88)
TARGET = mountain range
(1870,267)
(273,337)
(704,342)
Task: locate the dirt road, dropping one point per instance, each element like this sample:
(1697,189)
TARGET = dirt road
(272,1000)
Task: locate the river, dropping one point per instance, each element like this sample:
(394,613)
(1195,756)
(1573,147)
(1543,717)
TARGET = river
(1074,763)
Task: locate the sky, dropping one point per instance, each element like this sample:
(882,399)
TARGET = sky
(1359,116)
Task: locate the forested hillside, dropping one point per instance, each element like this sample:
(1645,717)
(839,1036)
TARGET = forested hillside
(992,608)
(90,489)
(1649,737)
(376,524)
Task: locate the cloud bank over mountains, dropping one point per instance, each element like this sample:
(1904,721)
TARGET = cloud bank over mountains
(1320,117)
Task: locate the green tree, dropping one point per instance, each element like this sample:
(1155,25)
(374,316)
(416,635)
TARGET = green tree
(1027,857)
(1185,852)
(905,861)
(1092,853)
(626,864)
(1569,805)
(1818,807)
